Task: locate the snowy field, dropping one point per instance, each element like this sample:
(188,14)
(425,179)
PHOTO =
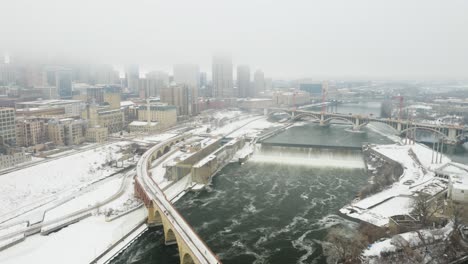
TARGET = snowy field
(32,186)
(78,243)
(396,200)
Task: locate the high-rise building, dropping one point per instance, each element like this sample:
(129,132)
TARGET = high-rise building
(95,94)
(259,82)
(132,76)
(188,74)
(30,131)
(203,79)
(222,77)
(243,81)
(7,74)
(156,81)
(113,119)
(178,96)
(314,89)
(66,131)
(7,126)
(165,115)
(61,78)
(105,74)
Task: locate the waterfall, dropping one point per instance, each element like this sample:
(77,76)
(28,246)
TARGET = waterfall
(308,156)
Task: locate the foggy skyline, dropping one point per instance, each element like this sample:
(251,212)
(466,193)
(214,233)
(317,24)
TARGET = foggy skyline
(287,39)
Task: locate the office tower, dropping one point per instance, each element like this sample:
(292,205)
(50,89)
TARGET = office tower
(222,77)
(156,81)
(30,131)
(203,79)
(7,126)
(104,74)
(188,74)
(63,80)
(259,82)
(132,76)
(95,95)
(179,96)
(8,74)
(243,81)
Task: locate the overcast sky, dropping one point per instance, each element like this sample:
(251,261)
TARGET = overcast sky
(286,39)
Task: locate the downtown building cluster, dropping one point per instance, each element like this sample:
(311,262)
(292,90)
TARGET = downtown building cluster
(51,106)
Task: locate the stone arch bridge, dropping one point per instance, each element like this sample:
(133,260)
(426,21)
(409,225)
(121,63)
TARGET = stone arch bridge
(177,230)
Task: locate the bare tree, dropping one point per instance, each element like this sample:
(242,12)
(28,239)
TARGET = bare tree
(425,206)
(344,246)
(371,233)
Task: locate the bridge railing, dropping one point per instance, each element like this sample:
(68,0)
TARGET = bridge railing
(186,231)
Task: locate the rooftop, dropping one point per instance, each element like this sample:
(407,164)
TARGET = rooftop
(49,102)
(142,123)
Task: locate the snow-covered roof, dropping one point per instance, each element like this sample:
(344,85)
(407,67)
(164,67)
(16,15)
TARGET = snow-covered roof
(127,103)
(142,123)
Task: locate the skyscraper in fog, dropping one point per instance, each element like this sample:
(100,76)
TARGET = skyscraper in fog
(64,83)
(132,76)
(7,74)
(179,96)
(243,81)
(188,74)
(203,79)
(222,77)
(259,82)
(156,81)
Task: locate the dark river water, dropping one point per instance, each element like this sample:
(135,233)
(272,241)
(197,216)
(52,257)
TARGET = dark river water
(266,211)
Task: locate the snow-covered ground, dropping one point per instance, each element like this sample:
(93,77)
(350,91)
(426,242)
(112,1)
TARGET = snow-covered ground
(31,187)
(229,114)
(159,137)
(78,243)
(372,253)
(254,127)
(418,175)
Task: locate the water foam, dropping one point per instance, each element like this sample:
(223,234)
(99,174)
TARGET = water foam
(313,162)
(309,157)
(304,244)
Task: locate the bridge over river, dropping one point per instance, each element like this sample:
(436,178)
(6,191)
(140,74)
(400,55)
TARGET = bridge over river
(177,230)
(450,134)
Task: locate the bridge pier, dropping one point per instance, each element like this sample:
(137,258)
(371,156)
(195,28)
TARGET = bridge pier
(452,134)
(324,124)
(169,236)
(399,128)
(154,216)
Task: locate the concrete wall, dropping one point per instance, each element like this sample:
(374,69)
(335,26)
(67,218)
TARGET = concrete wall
(202,172)
(184,167)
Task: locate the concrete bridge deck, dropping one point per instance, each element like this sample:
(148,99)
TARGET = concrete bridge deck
(192,249)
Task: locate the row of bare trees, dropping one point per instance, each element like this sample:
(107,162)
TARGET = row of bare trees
(346,246)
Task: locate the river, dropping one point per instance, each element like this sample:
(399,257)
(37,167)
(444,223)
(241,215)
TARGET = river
(277,207)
